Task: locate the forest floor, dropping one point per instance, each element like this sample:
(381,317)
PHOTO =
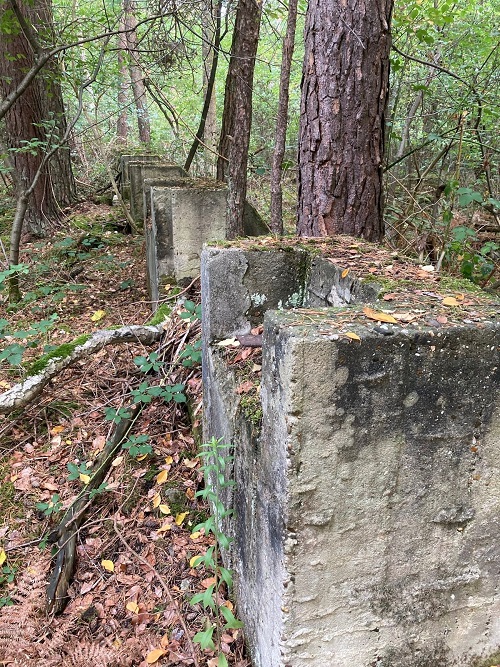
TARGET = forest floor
(129,598)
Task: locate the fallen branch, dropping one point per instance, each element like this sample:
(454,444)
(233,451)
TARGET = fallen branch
(22,394)
(67,530)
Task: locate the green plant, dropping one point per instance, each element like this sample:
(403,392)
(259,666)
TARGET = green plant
(149,363)
(137,445)
(192,312)
(7,576)
(215,461)
(53,506)
(191,354)
(76,470)
(116,416)
(146,393)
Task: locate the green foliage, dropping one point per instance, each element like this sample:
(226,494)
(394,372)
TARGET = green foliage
(149,363)
(192,311)
(7,576)
(53,506)
(76,470)
(116,416)
(145,393)
(215,462)
(137,445)
(191,354)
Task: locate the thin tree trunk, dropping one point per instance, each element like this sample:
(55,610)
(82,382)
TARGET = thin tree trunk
(211,20)
(237,115)
(122,123)
(136,76)
(282,121)
(344,94)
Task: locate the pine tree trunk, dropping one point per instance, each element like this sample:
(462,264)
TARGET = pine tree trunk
(344,95)
(237,115)
(136,75)
(35,122)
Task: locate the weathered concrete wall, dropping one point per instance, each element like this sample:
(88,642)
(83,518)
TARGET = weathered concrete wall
(184,215)
(368,505)
(138,172)
(125,160)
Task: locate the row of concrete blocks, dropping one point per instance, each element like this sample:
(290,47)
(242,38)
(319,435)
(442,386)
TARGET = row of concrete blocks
(367,501)
(179,214)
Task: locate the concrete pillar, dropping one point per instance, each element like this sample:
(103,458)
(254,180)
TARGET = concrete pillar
(367,468)
(138,171)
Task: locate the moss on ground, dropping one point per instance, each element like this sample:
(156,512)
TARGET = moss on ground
(160,316)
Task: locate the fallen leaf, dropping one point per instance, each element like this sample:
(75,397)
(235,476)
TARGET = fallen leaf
(210,581)
(84,478)
(98,315)
(56,430)
(98,443)
(108,565)
(49,486)
(256,368)
(442,319)
(117,461)
(459,297)
(164,641)
(195,535)
(195,560)
(379,317)
(164,528)
(155,655)
(169,460)
(156,500)
(245,387)
(164,509)
(191,463)
(450,301)
(4,385)
(180,518)
(345,273)
(133,607)
(141,457)
(162,477)
(3,556)
(405,317)
(352,336)
(389,297)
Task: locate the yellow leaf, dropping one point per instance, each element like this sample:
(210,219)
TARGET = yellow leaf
(108,565)
(169,460)
(195,560)
(191,463)
(164,641)
(141,457)
(4,385)
(165,528)
(56,430)
(345,273)
(352,335)
(450,301)
(133,607)
(117,461)
(195,535)
(156,500)
(3,557)
(84,478)
(460,297)
(164,509)
(155,655)
(180,518)
(162,477)
(379,317)
(98,315)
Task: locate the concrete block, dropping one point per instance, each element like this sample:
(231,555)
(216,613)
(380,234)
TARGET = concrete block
(368,502)
(138,171)
(124,169)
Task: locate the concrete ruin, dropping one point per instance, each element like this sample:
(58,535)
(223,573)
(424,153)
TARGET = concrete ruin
(184,215)
(367,498)
(125,161)
(158,172)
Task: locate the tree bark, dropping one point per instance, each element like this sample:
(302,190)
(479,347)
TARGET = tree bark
(136,75)
(122,122)
(282,121)
(344,95)
(37,121)
(237,114)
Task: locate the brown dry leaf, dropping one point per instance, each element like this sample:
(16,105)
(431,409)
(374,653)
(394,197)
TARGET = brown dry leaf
(49,486)
(164,641)
(98,443)
(117,461)
(389,297)
(345,273)
(229,342)
(245,387)
(191,463)
(379,317)
(210,581)
(450,301)
(442,319)
(56,430)
(164,528)
(351,335)
(155,655)
(405,317)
